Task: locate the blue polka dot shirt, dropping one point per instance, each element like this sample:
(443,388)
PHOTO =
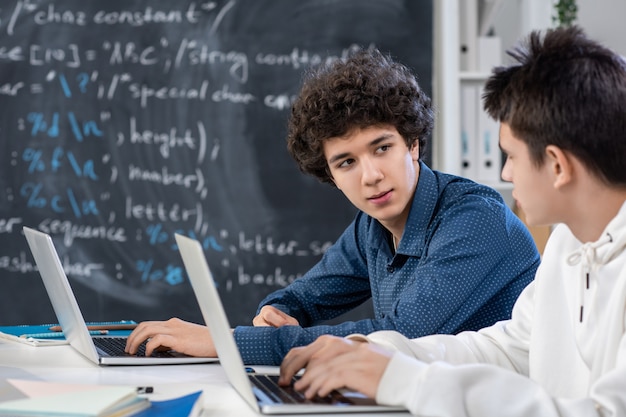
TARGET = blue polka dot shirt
(462,261)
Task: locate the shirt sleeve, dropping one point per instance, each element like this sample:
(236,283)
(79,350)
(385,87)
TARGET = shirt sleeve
(505,343)
(460,273)
(475,263)
(265,345)
(485,374)
(473,390)
(481,390)
(338,283)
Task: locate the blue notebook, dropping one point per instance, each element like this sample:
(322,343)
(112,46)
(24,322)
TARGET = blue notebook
(186,406)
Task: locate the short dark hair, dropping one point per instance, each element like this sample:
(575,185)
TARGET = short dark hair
(566,90)
(365,89)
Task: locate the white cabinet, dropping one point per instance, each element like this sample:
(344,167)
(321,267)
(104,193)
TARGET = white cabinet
(448,79)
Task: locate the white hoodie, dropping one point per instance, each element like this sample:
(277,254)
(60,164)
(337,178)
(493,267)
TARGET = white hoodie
(549,361)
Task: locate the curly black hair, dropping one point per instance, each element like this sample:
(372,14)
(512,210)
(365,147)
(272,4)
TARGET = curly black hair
(365,89)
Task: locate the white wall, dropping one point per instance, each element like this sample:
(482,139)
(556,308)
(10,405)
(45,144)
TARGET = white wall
(604,20)
(516,18)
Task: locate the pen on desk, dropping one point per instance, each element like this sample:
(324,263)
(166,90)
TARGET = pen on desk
(145,390)
(58,334)
(130,326)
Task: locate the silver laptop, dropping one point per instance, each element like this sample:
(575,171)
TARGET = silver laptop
(102,350)
(259,390)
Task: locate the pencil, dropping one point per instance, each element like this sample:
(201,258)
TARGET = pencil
(58,334)
(101,327)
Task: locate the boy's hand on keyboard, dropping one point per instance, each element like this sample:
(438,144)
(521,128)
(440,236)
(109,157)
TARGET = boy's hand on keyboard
(174,334)
(332,363)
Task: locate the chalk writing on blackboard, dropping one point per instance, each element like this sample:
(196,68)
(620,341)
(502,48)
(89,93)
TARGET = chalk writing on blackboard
(126,122)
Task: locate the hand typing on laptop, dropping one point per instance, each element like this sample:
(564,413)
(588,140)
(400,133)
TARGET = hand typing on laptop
(190,338)
(333,362)
(174,334)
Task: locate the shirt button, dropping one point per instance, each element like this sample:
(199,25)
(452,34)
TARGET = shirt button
(390,269)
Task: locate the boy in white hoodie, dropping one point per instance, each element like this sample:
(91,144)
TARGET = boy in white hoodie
(562,109)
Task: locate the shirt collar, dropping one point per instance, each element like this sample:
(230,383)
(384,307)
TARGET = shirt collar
(423,206)
(422,211)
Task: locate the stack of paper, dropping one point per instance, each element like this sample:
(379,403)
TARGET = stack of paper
(25,398)
(68,400)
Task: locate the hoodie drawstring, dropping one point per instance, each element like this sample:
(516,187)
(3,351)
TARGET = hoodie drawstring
(587,254)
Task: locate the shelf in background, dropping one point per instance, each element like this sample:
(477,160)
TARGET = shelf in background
(474,75)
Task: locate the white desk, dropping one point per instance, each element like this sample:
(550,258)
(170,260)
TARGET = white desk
(64,364)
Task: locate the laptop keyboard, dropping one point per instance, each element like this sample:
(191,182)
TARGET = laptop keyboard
(114,346)
(268,384)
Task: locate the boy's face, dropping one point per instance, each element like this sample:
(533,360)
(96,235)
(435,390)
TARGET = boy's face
(532,185)
(376,171)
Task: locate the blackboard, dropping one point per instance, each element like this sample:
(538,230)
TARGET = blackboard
(125,122)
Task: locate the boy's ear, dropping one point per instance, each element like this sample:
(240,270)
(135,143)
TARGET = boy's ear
(415,151)
(330,176)
(560,165)
(333,180)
